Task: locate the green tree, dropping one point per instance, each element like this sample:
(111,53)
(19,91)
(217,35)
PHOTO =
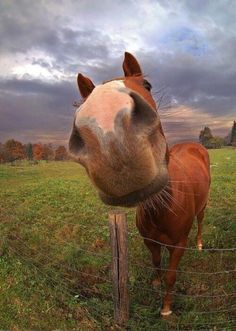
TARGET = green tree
(233,135)
(29,151)
(215,142)
(205,136)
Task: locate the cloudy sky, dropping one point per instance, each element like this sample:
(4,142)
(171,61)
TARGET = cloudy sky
(186,48)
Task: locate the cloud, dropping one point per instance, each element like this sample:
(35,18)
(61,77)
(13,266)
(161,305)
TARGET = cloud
(184,123)
(33,110)
(187,48)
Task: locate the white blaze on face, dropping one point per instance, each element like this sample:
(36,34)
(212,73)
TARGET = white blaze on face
(104,103)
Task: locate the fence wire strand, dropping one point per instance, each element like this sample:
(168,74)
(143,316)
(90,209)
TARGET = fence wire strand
(184,271)
(95,292)
(233,249)
(151,268)
(67,267)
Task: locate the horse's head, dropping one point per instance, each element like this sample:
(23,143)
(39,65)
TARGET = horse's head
(118,138)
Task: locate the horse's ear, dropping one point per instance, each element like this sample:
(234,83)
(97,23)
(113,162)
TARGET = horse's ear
(131,66)
(85,85)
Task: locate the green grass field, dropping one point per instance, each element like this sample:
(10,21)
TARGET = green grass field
(55,255)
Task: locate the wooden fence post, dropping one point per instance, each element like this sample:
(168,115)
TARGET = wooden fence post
(119,246)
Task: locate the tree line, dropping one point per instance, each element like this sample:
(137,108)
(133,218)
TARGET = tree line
(207,139)
(13,150)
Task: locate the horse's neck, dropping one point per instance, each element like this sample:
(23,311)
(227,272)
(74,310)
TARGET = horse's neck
(158,203)
(177,169)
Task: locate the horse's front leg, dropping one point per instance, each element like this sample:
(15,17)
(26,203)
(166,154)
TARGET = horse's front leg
(155,250)
(170,277)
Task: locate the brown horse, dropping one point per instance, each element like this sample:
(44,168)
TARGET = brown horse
(117,136)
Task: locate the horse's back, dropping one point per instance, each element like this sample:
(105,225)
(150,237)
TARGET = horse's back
(190,172)
(192,156)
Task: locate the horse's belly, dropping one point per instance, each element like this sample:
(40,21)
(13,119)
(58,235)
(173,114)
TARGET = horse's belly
(201,197)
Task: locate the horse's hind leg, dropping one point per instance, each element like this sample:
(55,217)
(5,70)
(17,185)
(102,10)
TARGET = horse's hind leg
(200,217)
(155,250)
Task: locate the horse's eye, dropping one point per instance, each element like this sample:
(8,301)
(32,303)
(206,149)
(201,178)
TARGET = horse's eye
(147,85)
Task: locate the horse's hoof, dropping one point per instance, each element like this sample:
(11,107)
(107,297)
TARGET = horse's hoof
(156,282)
(166,313)
(199,247)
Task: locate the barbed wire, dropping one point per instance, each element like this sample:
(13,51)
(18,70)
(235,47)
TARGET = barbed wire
(96,292)
(135,263)
(182,247)
(200,312)
(104,255)
(184,271)
(146,289)
(67,267)
(193,323)
(63,286)
(186,295)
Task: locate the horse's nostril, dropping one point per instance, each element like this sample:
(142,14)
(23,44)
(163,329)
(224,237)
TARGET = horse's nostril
(142,113)
(76,143)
